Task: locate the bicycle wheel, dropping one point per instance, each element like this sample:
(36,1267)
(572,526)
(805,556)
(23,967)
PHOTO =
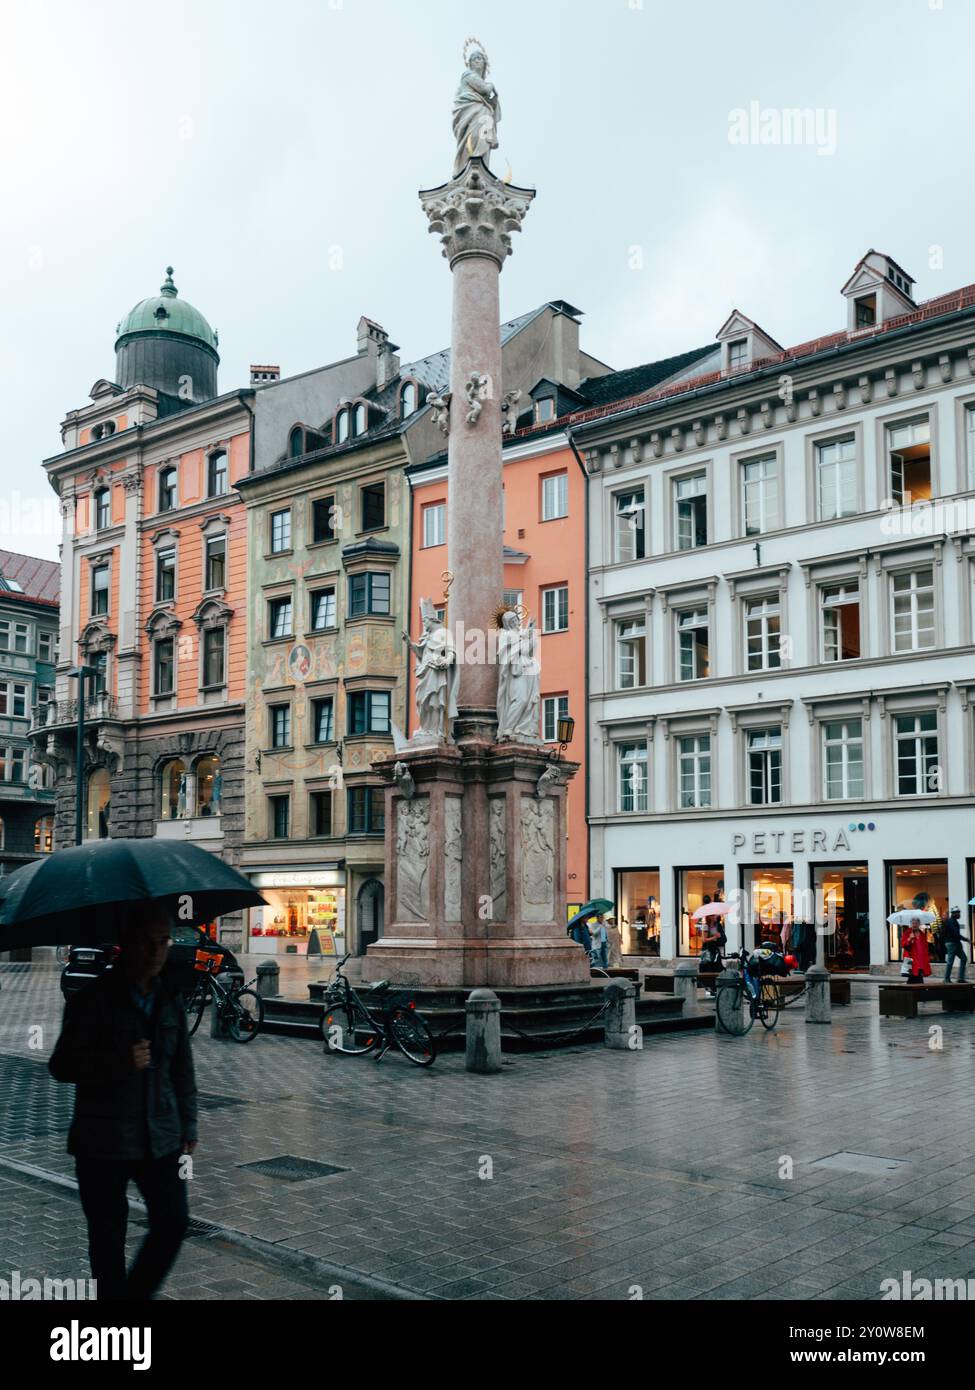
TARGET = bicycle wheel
(346,1027)
(195,1006)
(770,1004)
(245,1014)
(412,1036)
(734,1011)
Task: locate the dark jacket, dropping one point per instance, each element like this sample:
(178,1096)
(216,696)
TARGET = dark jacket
(121,1113)
(951,931)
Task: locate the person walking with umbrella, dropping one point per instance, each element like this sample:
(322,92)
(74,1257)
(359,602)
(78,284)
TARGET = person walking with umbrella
(914,946)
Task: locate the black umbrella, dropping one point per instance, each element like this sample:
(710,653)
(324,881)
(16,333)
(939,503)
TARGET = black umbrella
(75,897)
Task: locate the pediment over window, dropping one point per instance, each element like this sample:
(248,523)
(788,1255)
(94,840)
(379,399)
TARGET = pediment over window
(163,622)
(95,637)
(212,613)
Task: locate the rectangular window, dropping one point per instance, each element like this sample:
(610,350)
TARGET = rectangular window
(555,496)
(22,632)
(918,772)
(373,503)
(368,594)
(99,681)
(18,758)
(369,712)
(165,576)
(46,643)
(909,456)
(760,495)
(163,666)
(692,511)
(280,532)
(279,618)
(693,644)
(99,590)
(555,609)
(843,760)
(913,610)
(435,524)
(836,478)
(738,354)
(217,474)
(320,815)
(279,817)
(366,811)
(214,647)
(512,598)
(970,422)
(630,525)
(764,766)
(216,562)
(323,610)
(554,708)
(13,700)
(633,762)
(103,508)
(280,725)
(694,771)
(841,622)
(631,654)
(762,634)
(323,719)
(323,520)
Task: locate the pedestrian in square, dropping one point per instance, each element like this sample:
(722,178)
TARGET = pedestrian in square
(615,942)
(600,943)
(125,1048)
(953,937)
(914,947)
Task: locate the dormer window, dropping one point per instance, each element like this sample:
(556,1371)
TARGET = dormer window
(408,400)
(738,354)
(544,410)
(342,427)
(359,420)
(866,311)
(296,443)
(167,489)
(103,508)
(103,430)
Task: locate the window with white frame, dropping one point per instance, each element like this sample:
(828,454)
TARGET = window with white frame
(631,653)
(913,608)
(554,708)
(279,717)
(166,575)
(280,532)
(323,610)
(99,590)
(840,608)
(761,501)
(738,354)
(633,780)
(693,645)
(630,525)
(763,621)
(970,438)
(216,562)
(13,699)
(434,524)
(555,496)
(555,609)
(918,770)
(12,764)
(279,615)
(694,770)
(512,598)
(47,646)
(764,766)
(836,478)
(843,760)
(909,457)
(691,508)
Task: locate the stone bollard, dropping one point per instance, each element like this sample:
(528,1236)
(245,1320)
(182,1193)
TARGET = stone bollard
(219,1029)
(268,979)
(483,1009)
(621,1030)
(685,986)
(732,1019)
(818,1006)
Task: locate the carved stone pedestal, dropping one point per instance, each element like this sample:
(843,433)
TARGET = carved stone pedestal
(476,870)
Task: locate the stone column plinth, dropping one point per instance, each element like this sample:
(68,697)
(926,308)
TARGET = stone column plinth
(476,871)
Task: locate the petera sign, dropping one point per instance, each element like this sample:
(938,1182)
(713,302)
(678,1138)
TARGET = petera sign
(777,842)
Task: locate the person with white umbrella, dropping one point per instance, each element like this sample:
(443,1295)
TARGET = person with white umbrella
(714,943)
(916,963)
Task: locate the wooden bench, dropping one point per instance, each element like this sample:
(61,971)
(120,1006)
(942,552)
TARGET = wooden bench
(901,1001)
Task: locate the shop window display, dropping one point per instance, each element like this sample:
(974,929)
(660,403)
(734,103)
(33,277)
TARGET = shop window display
(695,888)
(923,887)
(638,911)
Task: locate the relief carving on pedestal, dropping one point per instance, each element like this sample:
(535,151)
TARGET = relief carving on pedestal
(413,859)
(497,844)
(453,854)
(537,859)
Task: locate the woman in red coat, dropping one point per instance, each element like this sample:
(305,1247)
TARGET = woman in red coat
(914,944)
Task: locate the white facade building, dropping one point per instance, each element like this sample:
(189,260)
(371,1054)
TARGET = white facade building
(782,633)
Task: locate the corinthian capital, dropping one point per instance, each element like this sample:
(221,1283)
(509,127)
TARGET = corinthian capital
(475,213)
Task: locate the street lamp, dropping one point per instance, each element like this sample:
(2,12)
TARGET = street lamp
(564,729)
(80,673)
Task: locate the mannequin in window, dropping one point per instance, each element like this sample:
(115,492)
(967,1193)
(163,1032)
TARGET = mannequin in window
(216,792)
(181,797)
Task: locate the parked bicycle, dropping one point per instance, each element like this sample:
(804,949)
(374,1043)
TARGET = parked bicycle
(756,994)
(382,1016)
(241,1009)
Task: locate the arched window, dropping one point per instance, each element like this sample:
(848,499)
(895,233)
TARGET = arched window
(217,474)
(296,442)
(408,399)
(359,420)
(44,835)
(167,489)
(103,508)
(173,788)
(209,786)
(342,432)
(99,804)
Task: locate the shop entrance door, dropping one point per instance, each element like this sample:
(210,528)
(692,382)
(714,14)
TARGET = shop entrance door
(370,906)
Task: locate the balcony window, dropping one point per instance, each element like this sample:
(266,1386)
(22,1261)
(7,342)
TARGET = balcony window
(909,454)
(761,495)
(369,595)
(693,644)
(214,657)
(836,478)
(323,610)
(280,532)
(98,661)
(216,562)
(841,622)
(918,770)
(168,489)
(694,771)
(765,766)
(555,497)
(99,591)
(914,627)
(217,474)
(631,654)
(163,666)
(323,518)
(691,503)
(843,760)
(366,811)
(369,712)
(323,720)
(373,505)
(630,525)
(279,613)
(165,576)
(762,634)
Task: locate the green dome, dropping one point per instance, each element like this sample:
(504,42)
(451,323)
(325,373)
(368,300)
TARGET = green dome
(167,313)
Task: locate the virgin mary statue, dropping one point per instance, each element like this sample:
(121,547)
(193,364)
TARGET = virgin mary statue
(518,681)
(477,110)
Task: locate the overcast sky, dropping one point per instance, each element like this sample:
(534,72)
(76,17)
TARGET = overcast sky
(244,142)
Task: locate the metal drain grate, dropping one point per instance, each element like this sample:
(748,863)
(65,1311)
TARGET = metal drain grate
(862,1163)
(292,1169)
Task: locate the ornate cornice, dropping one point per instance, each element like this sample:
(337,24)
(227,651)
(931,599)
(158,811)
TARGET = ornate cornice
(475,213)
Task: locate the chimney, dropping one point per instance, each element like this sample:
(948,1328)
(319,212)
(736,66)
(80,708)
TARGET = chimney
(564,343)
(372,339)
(261,375)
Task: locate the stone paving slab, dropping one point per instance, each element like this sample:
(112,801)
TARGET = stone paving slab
(574,1174)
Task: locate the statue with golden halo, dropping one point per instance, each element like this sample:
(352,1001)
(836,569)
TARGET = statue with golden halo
(477,109)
